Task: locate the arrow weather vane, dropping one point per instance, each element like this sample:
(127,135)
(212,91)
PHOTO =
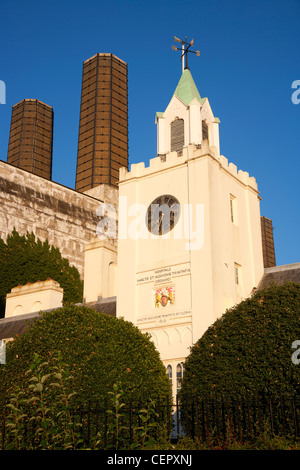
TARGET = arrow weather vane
(185,49)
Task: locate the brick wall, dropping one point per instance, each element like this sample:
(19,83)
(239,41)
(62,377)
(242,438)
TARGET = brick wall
(268,242)
(103,126)
(31,136)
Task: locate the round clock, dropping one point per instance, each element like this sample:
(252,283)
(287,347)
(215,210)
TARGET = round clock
(163,214)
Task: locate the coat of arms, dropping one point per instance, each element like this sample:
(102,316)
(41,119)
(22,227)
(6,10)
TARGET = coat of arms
(164,296)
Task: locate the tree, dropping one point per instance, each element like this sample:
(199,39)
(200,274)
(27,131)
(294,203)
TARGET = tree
(249,347)
(26,259)
(100,350)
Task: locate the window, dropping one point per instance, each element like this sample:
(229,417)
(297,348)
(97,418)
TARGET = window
(179,375)
(204,131)
(169,373)
(237,274)
(233,209)
(177,135)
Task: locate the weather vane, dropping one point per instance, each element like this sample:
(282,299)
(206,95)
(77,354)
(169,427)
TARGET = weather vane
(185,49)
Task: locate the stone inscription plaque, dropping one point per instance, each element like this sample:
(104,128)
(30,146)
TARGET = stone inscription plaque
(163,275)
(156,292)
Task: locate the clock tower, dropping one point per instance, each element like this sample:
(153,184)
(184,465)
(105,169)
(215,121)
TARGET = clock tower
(189,233)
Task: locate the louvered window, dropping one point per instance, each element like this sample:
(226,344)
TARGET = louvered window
(177,135)
(204,131)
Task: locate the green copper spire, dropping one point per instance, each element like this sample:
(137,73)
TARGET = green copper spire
(186,89)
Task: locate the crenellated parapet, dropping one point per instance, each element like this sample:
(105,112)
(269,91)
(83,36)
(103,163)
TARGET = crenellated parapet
(189,153)
(242,176)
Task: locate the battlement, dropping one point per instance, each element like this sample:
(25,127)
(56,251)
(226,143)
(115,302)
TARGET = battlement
(191,152)
(243,176)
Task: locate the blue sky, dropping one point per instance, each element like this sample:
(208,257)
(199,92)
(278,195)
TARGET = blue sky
(249,60)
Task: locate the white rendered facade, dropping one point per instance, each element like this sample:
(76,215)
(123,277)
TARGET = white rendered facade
(39,296)
(210,260)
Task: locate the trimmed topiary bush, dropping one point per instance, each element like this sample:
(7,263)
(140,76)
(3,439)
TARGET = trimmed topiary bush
(249,347)
(100,351)
(26,259)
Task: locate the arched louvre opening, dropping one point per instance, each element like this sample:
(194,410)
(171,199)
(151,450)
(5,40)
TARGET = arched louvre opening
(204,131)
(177,135)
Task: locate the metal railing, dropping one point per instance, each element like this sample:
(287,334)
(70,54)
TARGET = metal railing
(212,418)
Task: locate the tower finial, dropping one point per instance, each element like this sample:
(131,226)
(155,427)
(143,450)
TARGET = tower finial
(185,49)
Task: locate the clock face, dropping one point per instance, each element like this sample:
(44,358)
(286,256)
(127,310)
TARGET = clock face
(162,214)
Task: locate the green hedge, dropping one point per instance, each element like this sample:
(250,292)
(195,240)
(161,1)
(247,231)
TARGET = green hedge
(99,349)
(26,259)
(249,347)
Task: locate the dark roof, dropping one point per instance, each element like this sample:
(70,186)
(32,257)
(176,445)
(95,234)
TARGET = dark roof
(104,306)
(280,275)
(10,327)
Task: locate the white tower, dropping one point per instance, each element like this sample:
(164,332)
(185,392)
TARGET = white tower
(187,120)
(189,243)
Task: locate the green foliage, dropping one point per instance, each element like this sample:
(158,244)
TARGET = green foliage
(100,349)
(26,259)
(149,429)
(115,427)
(249,347)
(102,352)
(39,416)
(140,432)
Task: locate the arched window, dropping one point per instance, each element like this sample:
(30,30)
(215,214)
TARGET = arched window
(18,310)
(179,375)
(37,306)
(204,131)
(177,135)
(169,372)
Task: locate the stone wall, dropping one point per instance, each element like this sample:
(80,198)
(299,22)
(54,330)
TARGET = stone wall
(67,218)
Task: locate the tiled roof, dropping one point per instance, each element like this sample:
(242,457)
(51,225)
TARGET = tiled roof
(105,306)
(280,275)
(13,326)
